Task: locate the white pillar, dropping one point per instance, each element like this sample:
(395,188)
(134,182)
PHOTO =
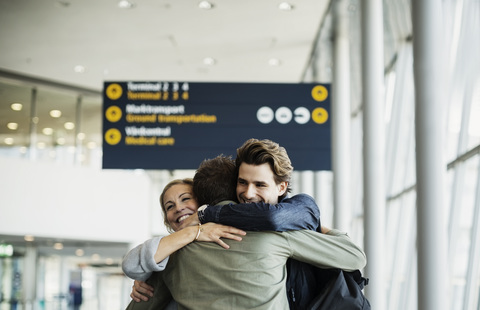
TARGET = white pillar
(32,144)
(78,130)
(341,119)
(307,183)
(429,72)
(29,278)
(374,150)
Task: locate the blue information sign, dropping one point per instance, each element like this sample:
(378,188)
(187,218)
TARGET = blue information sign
(175,125)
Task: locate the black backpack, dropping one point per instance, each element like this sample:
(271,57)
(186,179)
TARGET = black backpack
(311,288)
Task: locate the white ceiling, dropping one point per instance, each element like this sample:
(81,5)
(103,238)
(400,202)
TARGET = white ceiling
(161,40)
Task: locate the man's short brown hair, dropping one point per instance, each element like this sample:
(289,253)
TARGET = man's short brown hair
(215,180)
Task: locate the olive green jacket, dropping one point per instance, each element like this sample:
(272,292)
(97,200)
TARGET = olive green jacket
(249,275)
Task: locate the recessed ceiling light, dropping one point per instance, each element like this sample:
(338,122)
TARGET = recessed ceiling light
(274,62)
(81,136)
(8,141)
(205,5)
(55,113)
(91,145)
(58,246)
(79,69)
(47,131)
(12,126)
(124,4)
(61,141)
(29,238)
(69,125)
(209,61)
(285,6)
(16,106)
(79,252)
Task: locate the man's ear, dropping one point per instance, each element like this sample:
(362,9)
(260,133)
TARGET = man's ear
(282,188)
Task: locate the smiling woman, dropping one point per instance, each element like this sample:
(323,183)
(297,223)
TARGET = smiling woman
(178,203)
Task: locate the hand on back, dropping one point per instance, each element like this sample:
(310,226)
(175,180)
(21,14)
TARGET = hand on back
(212,232)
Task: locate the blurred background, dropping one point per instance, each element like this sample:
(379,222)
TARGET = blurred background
(65,223)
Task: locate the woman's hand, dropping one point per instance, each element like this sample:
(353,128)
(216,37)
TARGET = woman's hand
(211,232)
(141,291)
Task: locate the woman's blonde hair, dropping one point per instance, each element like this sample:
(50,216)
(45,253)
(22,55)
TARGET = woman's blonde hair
(186,181)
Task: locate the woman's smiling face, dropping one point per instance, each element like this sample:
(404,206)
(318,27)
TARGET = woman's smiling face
(179,203)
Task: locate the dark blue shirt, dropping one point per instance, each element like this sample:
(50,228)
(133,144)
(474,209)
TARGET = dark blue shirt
(292,213)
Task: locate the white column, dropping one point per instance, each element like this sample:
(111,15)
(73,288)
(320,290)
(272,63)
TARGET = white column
(429,65)
(374,150)
(29,277)
(32,145)
(341,119)
(78,130)
(307,183)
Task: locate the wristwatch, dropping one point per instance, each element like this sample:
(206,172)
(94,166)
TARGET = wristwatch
(201,214)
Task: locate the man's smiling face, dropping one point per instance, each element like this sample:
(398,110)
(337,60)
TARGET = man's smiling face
(257,184)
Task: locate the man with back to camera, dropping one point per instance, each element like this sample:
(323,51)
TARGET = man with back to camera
(225,279)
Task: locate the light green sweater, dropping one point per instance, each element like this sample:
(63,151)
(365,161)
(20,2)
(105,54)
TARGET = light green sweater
(249,275)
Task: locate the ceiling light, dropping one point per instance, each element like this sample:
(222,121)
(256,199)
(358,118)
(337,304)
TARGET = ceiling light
(12,126)
(41,145)
(58,246)
(47,131)
(274,62)
(109,261)
(79,252)
(61,141)
(285,6)
(81,136)
(16,106)
(8,141)
(205,5)
(91,145)
(209,61)
(96,257)
(29,238)
(69,125)
(55,113)
(124,4)
(79,69)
